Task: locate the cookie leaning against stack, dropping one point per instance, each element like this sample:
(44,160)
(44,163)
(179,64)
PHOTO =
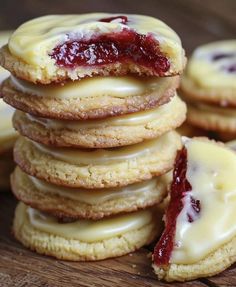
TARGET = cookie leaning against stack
(7,133)
(209,87)
(97,116)
(202,199)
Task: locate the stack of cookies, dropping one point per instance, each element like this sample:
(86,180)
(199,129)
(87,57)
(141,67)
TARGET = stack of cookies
(97,109)
(7,133)
(209,88)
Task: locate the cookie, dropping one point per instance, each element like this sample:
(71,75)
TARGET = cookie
(55,48)
(202,198)
(85,203)
(92,98)
(98,168)
(210,74)
(212,118)
(85,240)
(110,132)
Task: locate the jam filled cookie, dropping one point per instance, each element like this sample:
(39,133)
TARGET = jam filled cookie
(60,47)
(92,98)
(212,118)
(109,132)
(83,239)
(210,76)
(98,168)
(84,203)
(200,233)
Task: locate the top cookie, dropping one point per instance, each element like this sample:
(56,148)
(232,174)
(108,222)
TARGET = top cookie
(210,75)
(60,47)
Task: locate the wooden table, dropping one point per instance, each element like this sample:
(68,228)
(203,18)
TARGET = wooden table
(196,22)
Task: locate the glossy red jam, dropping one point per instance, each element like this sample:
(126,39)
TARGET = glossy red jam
(179,188)
(121,19)
(125,46)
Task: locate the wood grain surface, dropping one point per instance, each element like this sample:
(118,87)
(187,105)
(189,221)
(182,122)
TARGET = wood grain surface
(196,22)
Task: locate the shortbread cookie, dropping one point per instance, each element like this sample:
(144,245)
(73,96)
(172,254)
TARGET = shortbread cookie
(212,118)
(85,240)
(59,47)
(210,75)
(84,203)
(202,199)
(92,98)
(110,132)
(101,167)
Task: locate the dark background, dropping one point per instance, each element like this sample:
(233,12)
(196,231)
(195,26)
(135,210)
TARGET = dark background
(196,21)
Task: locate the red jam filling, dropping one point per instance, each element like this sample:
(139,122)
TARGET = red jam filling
(124,46)
(180,186)
(122,19)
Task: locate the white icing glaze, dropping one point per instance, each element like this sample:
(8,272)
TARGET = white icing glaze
(87,230)
(94,87)
(140,118)
(35,39)
(99,196)
(211,172)
(106,156)
(209,74)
